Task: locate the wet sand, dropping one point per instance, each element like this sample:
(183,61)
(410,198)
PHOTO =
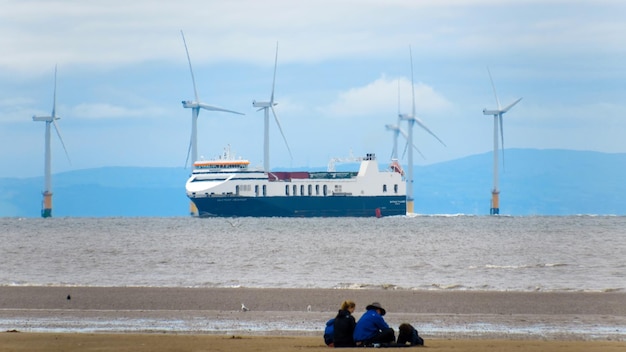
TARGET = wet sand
(203,319)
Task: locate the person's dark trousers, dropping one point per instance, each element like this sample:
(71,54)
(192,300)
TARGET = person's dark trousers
(385,336)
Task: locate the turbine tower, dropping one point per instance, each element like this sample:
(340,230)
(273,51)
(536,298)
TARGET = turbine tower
(497,127)
(46,210)
(412,120)
(266,106)
(195,107)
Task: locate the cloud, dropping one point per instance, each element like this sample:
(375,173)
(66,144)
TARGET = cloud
(381,98)
(38,33)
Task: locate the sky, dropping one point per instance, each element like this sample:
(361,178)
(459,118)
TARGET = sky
(343,73)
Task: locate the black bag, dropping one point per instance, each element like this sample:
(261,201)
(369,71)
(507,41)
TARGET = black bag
(407,333)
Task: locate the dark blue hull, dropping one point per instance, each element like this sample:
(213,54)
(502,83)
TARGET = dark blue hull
(302,206)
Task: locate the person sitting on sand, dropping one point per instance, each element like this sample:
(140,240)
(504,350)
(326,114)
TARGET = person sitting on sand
(344,325)
(407,333)
(372,328)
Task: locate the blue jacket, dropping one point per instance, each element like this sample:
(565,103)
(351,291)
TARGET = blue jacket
(369,325)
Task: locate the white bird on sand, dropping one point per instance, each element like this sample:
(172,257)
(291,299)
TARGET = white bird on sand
(308,308)
(244,308)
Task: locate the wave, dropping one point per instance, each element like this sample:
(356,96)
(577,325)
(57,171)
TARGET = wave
(514,267)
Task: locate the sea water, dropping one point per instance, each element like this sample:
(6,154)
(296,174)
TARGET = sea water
(493,253)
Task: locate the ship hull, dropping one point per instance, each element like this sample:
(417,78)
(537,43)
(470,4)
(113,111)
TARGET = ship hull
(301,206)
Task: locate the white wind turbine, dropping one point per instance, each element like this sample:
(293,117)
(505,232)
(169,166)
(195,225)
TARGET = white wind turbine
(397,130)
(497,122)
(266,106)
(412,120)
(195,107)
(46,210)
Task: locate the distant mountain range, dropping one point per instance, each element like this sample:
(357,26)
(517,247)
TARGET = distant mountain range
(533,182)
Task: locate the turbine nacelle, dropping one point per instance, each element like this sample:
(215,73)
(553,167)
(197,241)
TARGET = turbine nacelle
(501,111)
(405,117)
(45,118)
(263,104)
(188,104)
(492,112)
(391,127)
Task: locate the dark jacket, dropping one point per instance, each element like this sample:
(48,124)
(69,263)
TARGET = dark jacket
(344,328)
(407,333)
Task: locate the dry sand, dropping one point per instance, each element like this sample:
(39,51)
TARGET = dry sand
(70,342)
(188,319)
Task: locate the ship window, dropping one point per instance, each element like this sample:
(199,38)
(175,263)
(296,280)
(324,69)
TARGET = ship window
(295,190)
(310,190)
(264,190)
(395,188)
(301,190)
(337,188)
(325,190)
(317,190)
(237,190)
(256,190)
(384,188)
(286,190)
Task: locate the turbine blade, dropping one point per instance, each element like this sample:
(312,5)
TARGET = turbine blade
(188,153)
(406,145)
(274,79)
(193,80)
(281,131)
(494,88)
(406,137)
(215,108)
(54,95)
(414,147)
(421,124)
(511,105)
(56,128)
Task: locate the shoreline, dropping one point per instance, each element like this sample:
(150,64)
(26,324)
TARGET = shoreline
(467,315)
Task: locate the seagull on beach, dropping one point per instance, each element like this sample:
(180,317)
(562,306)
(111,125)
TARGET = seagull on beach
(308,308)
(244,308)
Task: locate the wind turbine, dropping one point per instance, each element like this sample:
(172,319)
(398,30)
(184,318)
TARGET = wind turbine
(397,130)
(266,106)
(412,120)
(497,122)
(195,107)
(46,210)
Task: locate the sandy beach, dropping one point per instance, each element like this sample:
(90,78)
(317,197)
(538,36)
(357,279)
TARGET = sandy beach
(199,319)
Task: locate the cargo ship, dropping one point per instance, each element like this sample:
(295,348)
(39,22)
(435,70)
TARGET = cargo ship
(227,186)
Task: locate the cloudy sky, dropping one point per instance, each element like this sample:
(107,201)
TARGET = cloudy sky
(343,73)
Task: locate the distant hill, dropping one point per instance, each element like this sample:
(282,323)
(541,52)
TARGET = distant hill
(101,192)
(533,182)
